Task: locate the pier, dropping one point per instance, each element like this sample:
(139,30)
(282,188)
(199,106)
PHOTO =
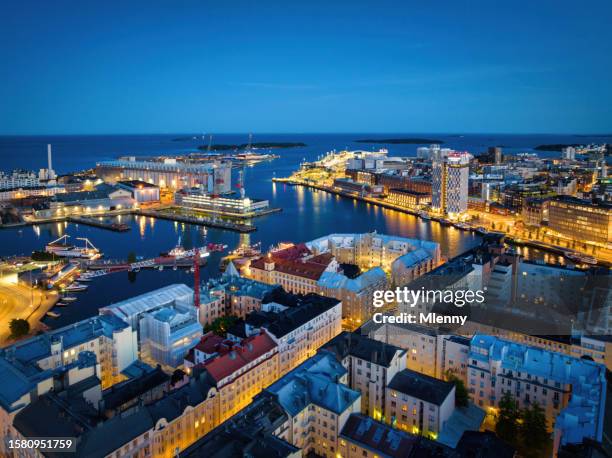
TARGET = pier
(117,227)
(198,220)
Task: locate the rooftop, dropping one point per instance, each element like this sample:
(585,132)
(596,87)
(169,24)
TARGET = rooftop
(314,382)
(421,386)
(362,347)
(378,437)
(301,309)
(239,356)
(19,370)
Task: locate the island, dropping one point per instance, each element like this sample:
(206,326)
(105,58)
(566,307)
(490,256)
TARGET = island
(556,147)
(400,141)
(261,145)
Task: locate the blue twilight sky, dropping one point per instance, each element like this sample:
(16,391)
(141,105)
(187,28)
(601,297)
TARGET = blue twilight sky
(73,67)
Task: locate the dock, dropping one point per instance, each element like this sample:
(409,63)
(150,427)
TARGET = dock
(117,227)
(200,221)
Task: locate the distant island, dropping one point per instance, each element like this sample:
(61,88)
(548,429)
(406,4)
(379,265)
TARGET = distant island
(263,145)
(555,147)
(401,141)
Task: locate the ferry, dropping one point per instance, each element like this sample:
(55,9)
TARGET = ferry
(53,314)
(62,248)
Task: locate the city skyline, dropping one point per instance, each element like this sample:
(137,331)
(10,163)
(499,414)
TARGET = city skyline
(318,68)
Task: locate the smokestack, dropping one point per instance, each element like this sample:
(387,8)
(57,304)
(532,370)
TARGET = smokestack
(50,166)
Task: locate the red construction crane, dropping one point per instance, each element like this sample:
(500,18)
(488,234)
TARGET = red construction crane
(196,278)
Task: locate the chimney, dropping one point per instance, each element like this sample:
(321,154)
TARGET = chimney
(50,164)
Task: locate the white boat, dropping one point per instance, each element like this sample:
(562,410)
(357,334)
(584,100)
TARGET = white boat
(75,288)
(53,314)
(62,248)
(69,299)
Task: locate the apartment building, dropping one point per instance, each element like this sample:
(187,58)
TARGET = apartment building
(260,430)
(581,219)
(419,403)
(571,391)
(231,295)
(405,198)
(242,371)
(295,268)
(356,293)
(364,437)
(160,429)
(299,325)
(372,249)
(370,364)
(317,404)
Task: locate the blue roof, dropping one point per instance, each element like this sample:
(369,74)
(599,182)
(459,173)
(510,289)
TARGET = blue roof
(336,280)
(19,370)
(314,382)
(583,415)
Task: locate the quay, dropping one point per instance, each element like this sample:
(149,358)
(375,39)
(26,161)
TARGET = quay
(198,220)
(510,239)
(117,227)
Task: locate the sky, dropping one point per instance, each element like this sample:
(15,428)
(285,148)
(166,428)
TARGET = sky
(117,67)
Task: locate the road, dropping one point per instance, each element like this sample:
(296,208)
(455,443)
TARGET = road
(20,301)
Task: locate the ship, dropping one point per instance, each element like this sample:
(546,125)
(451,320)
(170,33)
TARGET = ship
(68,299)
(53,314)
(179,255)
(62,248)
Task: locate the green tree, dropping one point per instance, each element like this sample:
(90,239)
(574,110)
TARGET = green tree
(131,259)
(533,428)
(19,327)
(220,325)
(461,392)
(506,426)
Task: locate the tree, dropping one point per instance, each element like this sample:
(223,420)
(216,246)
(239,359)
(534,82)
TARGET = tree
(220,325)
(533,428)
(131,259)
(507,419)
(19,327)
(461,392)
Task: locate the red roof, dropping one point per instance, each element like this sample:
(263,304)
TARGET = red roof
(239,356)
(209,343)
(311,268)
(293,252)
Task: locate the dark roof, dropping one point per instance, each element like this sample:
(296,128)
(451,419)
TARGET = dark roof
(174,403)
(136,184)
(248,433)
(124,392)
(476,444)
(421,386)
(362,347)
(301,310)
(378,437)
